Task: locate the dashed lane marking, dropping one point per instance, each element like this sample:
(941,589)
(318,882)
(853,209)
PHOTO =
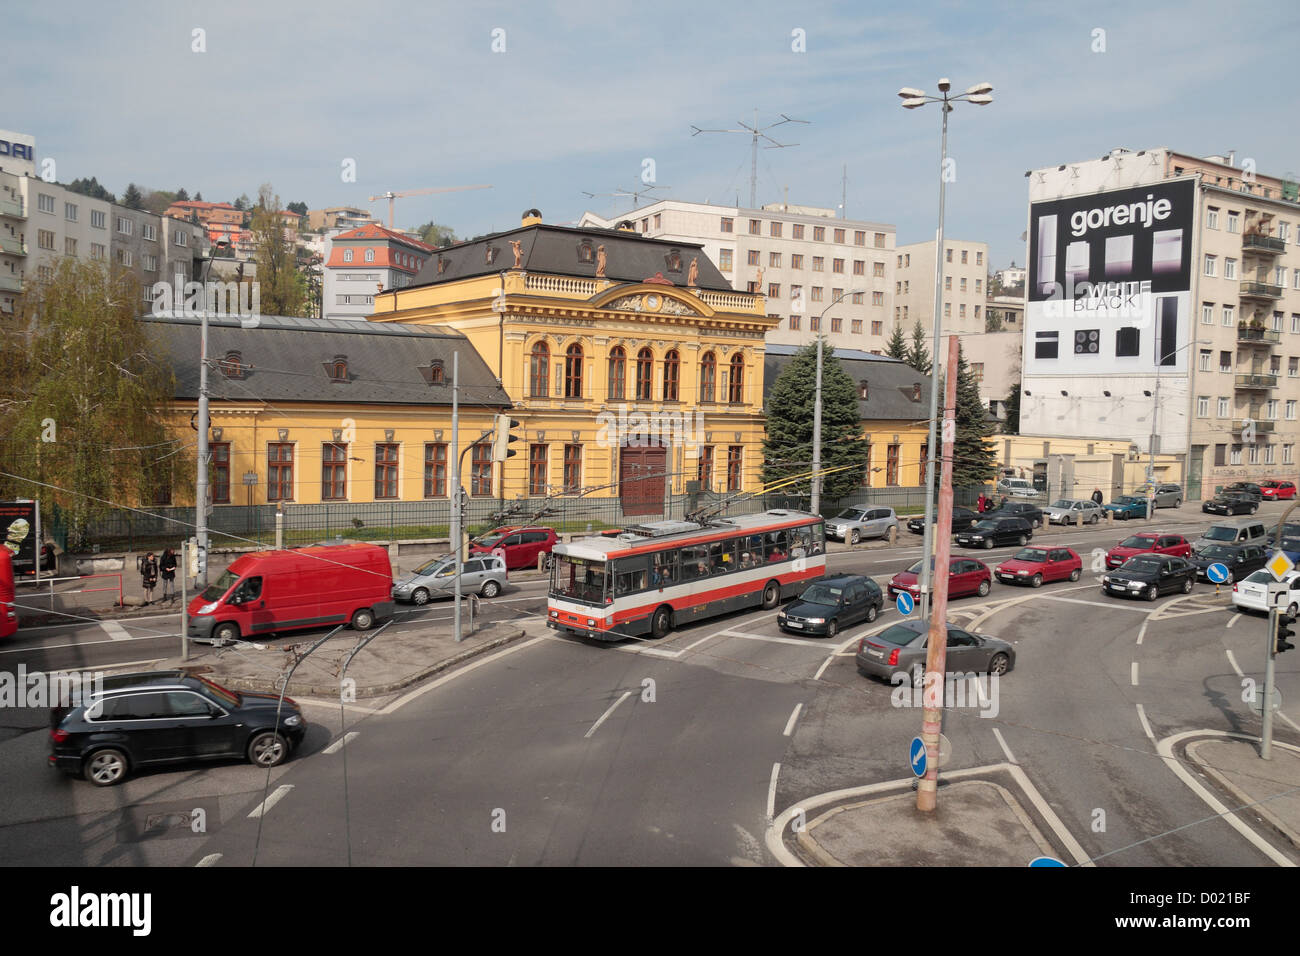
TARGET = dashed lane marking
(789,724)
(276,796)
(596,725)
(341,742)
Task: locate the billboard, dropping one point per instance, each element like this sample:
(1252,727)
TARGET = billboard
(18,534)
(1109,286)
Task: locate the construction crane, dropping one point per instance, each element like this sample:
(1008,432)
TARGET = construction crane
(390,196)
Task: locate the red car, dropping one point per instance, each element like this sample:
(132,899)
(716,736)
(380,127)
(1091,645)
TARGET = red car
(1277,490)
(965,576)
(1149,542)
(519,546)
(1033,566)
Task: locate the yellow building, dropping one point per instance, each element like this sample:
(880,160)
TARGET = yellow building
(633,366)
(1074,467)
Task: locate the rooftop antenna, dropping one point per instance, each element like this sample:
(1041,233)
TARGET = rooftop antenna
(756,132)
(635,193)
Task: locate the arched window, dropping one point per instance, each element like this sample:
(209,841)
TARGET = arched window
(672,365)
(736,387)
(539,369)
(617,372)
(708,377)
(370,255)
(645,373)
(573,371)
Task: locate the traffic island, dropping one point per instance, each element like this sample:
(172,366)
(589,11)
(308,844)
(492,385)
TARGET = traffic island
(392,661)
(986,816)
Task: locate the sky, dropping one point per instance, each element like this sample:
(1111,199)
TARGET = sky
(547,100)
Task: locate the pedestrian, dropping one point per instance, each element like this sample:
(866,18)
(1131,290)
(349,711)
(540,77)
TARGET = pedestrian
(48,560)
(149,576)
(982,503)
(167,568)
(1097,496)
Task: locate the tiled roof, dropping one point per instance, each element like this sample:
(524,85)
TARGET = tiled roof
(890,382)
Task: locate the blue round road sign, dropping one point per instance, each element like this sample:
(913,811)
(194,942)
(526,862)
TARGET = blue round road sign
(916,756)
(1217,573)
(904,603)
(1045,861)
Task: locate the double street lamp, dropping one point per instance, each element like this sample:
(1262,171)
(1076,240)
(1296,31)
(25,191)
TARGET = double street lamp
(913,98)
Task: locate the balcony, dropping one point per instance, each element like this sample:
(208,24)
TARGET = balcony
(10,284)
(1261,428)
(1266,244)
(1260,290)
(12,207)
(1256,380)
(1257,335)
(13,247)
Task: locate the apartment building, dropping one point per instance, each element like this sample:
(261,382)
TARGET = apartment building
(965,280)
(818,273)
(364,261)
(344,218)
(1164,306)
(994,361)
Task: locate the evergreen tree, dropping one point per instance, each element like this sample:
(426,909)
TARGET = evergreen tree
(974,462)
(897,345)
(1012,425)
(436,235)
(787,447)
(182,195)
(993,320)
(132,198)
(283,289)
(91,187)
(299,207)
(242,203)
(198,197)
(918,356)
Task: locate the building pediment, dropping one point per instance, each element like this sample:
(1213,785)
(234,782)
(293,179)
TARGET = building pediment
(652,299)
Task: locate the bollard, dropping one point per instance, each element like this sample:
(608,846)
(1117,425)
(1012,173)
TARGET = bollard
(1078,519)
(279,530)
(893,535)
(1110,519)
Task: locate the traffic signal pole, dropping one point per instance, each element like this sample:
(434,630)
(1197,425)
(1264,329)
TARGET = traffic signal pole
(1275,619)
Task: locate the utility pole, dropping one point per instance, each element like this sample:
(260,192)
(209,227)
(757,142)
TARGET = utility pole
(201,476)
(455,486)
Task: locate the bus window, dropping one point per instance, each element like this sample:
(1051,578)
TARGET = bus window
(801,539)
(663,572)
(695,562)
(629,575)
(818,535)
(578,578)
(722,556)
(777,546)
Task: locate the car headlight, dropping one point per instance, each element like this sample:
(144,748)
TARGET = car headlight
(780,615)
(293,720)
(208,608)
(816,620)
(1022,573)
(1135,585)
(1105,579)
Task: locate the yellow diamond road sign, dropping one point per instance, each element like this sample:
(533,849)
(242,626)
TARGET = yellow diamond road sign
(1279,565)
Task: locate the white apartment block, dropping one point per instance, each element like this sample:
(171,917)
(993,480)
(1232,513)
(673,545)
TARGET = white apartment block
(965,286)
(801,258)
(1188,339)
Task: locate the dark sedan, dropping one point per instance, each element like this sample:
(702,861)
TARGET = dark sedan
(166,717)
(993,531)
(1019,509)
(1230,503)
(832,603)
(1248,488)
(963,519)
(899,652)
(1239,559)
(1149,576)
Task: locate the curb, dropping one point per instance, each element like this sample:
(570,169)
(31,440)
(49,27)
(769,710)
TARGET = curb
(372,690)
(1245,799)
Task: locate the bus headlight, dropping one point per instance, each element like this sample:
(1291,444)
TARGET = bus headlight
(555,614)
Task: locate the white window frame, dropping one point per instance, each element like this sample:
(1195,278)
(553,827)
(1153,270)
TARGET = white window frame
(1203,406)
(45,203)
(1234,222)
(1210,264)
(1224,408)
(1229,268)
(1288,454)
(1212,217)
(70,211)
(1207,357)
(125,226)
(1290,409)
(1207,313)
(149,232)
(99,219)
(1270,454)
(1229,316)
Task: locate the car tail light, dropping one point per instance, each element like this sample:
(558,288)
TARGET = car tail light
(862,645)
(893,657)
(58,736)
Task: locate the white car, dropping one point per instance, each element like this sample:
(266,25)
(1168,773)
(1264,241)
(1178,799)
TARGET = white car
(1017,488)
(1251,593)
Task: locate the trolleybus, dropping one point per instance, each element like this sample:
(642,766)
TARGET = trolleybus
(659,575)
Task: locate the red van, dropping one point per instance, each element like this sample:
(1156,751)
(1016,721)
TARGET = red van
(269,591)
(8,613)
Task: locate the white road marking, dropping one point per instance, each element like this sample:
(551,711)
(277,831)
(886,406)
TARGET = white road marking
(209,860)
(789,724)
(115,631)
(1106,604)
(420,691)
(1233,620)
(771,640)
(1233,661)
(1146,726)
(849,642)
(341,742)
(333,705)
(649,651)
(276,796)
(596,725)
(771,792)
(1003,744)
(75,624)
(1133,673)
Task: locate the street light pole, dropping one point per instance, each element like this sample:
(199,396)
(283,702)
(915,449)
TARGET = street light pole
(913,98)
(1155,411)
(817,409)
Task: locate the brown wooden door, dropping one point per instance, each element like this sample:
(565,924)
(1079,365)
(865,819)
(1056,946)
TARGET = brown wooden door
(642,473)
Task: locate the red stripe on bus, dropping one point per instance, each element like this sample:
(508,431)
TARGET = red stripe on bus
(716,594)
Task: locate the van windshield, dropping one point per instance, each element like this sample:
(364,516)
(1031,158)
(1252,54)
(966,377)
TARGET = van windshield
(1220,533)
(219,587)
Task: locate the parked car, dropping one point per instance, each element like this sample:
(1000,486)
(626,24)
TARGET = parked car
(1274,490)
(1127,506)
(1233,531)
(1169,496)
(1239,559)
(965,576)
(1068,510)
(1034,566)
(832,603)
(963,519)
(484,574)
(8,612)
(269,591)
(1248,488)
(1290,540)
(900,650)
(865,521)
(1230,503)
(144,719)
(1016,488)
(1149,576)
(994,531)
(1018,509)
(1251,593)
(519,546)
(1148,542)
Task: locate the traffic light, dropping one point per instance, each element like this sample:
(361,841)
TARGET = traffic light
(1280,642)
(501,449)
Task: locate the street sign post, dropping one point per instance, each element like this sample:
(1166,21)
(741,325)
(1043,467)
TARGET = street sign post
(916,756)
(1217,573)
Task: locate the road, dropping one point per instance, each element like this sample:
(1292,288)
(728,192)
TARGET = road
(678,752)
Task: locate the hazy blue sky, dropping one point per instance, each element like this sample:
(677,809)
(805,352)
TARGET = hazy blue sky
(585,91)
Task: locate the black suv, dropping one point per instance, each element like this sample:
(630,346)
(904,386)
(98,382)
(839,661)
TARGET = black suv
(832,603)
(1019,509)
(963,519)
(161,717)
(1149,576)
(996,530)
